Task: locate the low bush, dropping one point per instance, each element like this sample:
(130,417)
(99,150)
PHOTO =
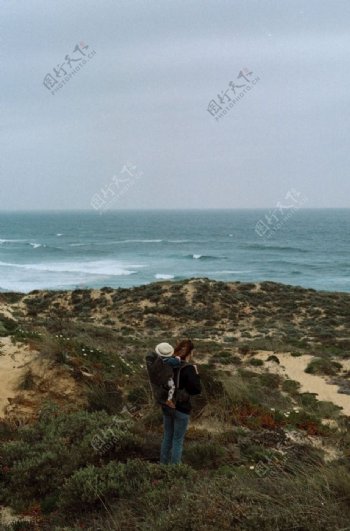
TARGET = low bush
(43,456)
(7,325)
(290,386)
(323,366)
(204,455)
(92,485)
(273,358)
(256,362)
(104,396)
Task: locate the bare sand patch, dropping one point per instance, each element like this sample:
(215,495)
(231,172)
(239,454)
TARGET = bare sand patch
(8,517)
(190,290)
(294,367)
(14,360)
(49,381)
(4,310)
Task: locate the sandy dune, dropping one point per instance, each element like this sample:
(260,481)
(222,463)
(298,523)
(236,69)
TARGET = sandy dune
(13,362)
(294,367)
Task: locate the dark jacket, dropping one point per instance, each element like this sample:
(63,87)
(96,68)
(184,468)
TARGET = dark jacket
(189,381)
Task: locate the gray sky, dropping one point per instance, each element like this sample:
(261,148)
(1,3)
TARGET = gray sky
(143,97)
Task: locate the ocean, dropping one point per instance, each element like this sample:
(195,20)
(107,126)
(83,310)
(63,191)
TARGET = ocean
(68,250)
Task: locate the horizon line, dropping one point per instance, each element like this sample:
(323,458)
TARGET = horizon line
(113,211)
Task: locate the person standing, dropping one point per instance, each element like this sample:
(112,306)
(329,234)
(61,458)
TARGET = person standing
(175,421)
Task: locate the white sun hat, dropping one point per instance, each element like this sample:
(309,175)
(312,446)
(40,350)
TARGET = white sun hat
(164,349)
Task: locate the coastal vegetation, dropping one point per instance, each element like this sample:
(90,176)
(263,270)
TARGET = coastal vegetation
(80,436)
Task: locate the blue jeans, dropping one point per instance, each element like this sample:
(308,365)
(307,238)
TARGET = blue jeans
(175,426)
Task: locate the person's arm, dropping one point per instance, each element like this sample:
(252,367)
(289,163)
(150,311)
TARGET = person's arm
(173,361)
(193,382)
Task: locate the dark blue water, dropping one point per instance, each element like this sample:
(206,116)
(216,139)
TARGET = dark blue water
(311,248)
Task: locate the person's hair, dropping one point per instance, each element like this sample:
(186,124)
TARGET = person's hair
(185,344)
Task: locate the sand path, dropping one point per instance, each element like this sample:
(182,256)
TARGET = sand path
(294,368)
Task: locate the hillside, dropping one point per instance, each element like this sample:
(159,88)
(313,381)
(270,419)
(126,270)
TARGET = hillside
(268,446)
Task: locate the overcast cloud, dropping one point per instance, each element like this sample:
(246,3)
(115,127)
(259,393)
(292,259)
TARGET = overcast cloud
(143,97)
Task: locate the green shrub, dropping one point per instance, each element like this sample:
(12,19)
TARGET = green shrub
(3,330)
(290,386)
(104,396)
(323,366)
(91,485)
(244,349)
(230,339)
(225,357)
(308,400)
(7,326)
(153,322)
(49,503)
(317,407)
(273,358)
(204,455)
(256,362)
(12,297)
(139,396)
(270,380)
(47,453)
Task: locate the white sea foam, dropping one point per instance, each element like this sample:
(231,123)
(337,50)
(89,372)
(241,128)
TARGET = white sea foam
(127,241)
(10,241)
(229,272)
(142,241)
(132,241)
(197,256)
(26,242)
(163,276)
(63,275)
(107,242)
(100,267)
(179,241)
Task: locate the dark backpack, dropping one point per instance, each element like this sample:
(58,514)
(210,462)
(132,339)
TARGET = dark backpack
(159,374)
